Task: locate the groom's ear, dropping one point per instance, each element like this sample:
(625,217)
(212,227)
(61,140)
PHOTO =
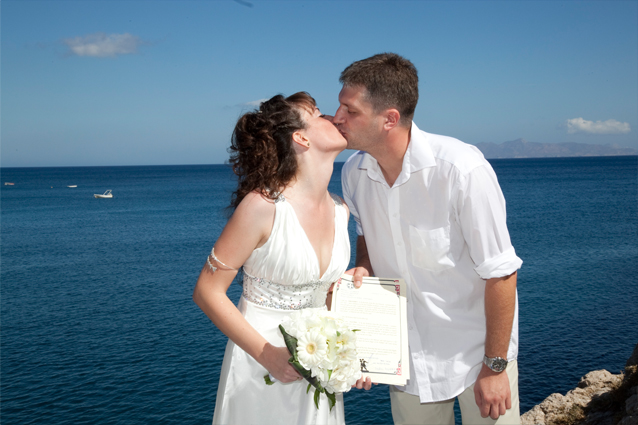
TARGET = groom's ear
(391,119)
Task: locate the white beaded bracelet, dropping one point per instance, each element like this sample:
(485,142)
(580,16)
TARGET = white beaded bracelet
(213,268)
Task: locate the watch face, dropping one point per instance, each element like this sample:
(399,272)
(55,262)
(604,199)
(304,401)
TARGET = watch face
(499,365)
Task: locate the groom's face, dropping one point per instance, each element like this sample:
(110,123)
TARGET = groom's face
(356,119)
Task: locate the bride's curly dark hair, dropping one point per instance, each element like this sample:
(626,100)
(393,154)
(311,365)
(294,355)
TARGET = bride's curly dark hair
(261,151)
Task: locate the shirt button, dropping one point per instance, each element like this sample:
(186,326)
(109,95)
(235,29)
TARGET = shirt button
(394,215)
(398,243)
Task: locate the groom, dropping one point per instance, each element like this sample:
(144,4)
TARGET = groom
(429,209)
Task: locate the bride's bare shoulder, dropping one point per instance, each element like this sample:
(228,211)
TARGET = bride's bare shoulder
(256,208)
(257,200)
(253,218)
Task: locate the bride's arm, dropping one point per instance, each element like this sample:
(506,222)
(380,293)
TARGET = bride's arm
(247,229)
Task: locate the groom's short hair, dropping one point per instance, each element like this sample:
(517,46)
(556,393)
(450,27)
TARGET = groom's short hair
(390,80)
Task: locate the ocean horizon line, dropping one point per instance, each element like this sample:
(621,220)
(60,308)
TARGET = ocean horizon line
(336,162)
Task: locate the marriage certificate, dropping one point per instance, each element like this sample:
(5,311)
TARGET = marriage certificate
(378,310)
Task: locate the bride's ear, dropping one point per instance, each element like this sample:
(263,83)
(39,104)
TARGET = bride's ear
(299,138)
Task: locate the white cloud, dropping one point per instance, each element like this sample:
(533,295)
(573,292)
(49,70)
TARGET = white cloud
(580,125)
(103,45)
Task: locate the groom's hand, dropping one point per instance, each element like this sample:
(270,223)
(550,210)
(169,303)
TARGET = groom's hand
(492,393)
(363,266)
(357,274)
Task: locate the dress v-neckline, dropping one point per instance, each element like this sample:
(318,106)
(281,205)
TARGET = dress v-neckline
(312,248)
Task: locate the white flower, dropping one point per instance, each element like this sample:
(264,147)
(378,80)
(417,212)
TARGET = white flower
(313,320)
(311,349)
(326,349)
(329,324)
(295,324)
(347,340)
(320,373)
(343,377)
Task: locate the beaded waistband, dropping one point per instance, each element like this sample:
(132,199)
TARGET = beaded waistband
(265,293)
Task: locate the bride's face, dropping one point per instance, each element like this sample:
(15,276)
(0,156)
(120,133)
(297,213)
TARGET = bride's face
(322,133)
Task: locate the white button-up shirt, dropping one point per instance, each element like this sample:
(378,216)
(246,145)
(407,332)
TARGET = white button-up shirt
(442,228)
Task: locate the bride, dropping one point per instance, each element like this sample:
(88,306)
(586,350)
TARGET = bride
(290,236)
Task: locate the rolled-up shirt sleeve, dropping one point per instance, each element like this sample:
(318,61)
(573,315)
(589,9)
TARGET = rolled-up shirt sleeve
(480,210)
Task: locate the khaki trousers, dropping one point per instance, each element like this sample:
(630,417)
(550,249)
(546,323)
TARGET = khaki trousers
(408,410)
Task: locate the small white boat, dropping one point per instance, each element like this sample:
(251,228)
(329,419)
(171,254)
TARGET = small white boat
(73,185)
(106,194)
(8,184)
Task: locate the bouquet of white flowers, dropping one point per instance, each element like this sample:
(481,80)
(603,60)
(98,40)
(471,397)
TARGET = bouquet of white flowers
(323,351)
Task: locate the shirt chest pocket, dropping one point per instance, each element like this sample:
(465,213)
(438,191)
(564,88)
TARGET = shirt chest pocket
(431,248)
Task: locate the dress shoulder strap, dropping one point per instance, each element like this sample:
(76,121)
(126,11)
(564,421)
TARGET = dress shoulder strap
(337,199)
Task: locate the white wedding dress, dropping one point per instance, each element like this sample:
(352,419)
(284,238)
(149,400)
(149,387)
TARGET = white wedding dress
(279,277)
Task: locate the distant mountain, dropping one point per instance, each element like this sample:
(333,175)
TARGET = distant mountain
(521,148)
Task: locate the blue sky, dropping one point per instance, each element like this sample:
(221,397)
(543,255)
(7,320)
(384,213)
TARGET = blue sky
(163,82)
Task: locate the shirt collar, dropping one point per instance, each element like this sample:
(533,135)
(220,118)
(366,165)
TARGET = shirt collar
(418,156)
(421,155)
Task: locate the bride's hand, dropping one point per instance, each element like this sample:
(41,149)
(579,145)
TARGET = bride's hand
(275,360)
(365,384)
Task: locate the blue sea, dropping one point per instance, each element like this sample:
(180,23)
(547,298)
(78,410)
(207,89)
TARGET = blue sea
(98,324)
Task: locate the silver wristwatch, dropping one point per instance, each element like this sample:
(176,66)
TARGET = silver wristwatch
(497,364)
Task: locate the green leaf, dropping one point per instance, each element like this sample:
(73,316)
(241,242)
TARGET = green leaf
(291,342)
(308,389)
(329,374)
(317,393)
(268,380)
(306,374)
(332,399)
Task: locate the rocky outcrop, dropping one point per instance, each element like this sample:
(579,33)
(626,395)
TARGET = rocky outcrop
(601,398)
(521,148)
